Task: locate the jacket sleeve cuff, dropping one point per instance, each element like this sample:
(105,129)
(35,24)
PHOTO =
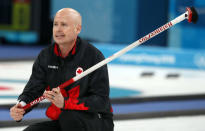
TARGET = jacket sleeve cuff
(22,103)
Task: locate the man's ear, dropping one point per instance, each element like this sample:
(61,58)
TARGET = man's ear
(78,29)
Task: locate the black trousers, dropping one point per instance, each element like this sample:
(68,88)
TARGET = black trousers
(75,121)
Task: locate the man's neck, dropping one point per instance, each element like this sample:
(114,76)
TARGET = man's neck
(66,48)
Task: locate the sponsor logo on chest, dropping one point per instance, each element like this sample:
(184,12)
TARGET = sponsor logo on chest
(52,67)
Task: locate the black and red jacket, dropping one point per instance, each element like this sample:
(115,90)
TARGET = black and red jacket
(91,93)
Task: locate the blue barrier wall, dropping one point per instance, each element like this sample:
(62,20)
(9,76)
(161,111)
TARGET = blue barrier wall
(140,56)
(156,57)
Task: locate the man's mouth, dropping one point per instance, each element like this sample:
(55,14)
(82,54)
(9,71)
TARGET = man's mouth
(60,36)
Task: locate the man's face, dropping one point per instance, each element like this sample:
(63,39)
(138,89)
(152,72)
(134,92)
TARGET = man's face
(64,28)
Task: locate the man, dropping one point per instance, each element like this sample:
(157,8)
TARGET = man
(85,104)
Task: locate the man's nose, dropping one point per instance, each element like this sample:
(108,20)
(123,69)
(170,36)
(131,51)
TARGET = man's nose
(59,28)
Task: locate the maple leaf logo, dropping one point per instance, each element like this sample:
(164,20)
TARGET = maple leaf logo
(79,70)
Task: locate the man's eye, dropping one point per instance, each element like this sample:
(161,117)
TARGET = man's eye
(64,24)
(55,24)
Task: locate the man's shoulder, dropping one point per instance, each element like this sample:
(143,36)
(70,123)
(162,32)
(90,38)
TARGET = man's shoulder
(90,47)
(46,50)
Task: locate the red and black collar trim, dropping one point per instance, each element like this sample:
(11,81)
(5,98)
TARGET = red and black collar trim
(58,52)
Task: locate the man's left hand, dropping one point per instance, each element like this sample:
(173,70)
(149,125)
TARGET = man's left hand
(55,97)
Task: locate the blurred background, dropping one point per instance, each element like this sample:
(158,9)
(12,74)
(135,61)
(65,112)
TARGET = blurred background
(160,83)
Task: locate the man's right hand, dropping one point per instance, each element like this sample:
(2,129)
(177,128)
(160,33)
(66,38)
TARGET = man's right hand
(17,112)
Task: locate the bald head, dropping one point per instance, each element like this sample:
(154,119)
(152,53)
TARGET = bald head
(66,26)
(71,13)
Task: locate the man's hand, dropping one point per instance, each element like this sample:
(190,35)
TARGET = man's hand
(55,97)
(16,112)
